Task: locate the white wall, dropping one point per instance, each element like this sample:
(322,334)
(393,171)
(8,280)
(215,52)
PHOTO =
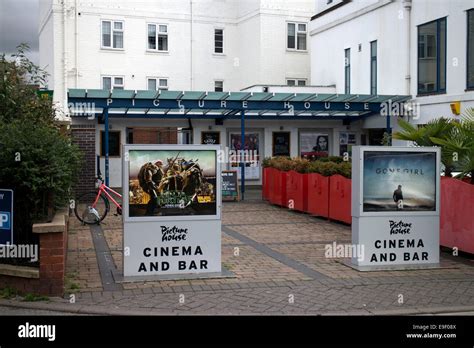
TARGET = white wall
(360,22)
(254,43)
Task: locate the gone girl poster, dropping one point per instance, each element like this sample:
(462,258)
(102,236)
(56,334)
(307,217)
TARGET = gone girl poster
(399,181)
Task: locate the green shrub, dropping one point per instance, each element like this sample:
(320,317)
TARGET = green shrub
(37,161)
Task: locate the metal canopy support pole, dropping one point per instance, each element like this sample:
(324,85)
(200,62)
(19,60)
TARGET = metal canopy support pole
(242,159)
(106,140)
(389,130)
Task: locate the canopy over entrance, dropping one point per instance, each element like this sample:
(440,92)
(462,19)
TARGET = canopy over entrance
(105,104)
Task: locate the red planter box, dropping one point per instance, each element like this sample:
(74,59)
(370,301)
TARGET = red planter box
(457,215)
(296,191)
(270,184)
(340,199)
(278,188)
(265,186)
(318,195)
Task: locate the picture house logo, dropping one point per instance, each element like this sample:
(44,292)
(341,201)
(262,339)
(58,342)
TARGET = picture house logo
(400,227)
(173,233)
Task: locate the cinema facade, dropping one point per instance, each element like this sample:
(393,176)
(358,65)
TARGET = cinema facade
(266,123)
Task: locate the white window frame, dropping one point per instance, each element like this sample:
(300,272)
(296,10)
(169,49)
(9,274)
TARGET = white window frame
(157,81)
(296,81)
(157,31)
(112,29)
(215,81)
(223,41)
(112,81)
(296,36)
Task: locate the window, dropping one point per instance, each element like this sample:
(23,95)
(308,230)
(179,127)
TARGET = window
(347,71)
(112,34)
(158,37)
(114,143)
(295,82)
(218,40)
(373,67)
(219,86)
(432,57)
(157,84)
(470,49)
(112,82)
(296,36)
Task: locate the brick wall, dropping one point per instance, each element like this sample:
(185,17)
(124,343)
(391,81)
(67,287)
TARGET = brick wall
(164,135)
(52,257)
(84,137)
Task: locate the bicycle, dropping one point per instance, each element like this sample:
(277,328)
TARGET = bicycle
(92,207)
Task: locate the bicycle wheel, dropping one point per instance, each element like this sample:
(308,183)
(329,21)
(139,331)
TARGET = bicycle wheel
(88,214)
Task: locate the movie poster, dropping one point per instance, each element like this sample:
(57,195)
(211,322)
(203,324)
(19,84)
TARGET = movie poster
(172,182)
(399,181)
(314,145)
(248,153)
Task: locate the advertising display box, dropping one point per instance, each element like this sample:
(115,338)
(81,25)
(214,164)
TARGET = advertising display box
(171,210)
(395,207)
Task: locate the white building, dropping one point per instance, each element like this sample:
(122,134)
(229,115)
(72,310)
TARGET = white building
(200,45)
(422,48)
(175,44)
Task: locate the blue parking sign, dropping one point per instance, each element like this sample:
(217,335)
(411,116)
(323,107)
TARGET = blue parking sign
(6,216)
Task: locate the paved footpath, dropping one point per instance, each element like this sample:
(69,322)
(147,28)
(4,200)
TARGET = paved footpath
(277,259)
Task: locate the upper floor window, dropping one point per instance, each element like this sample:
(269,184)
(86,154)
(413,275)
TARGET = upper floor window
(158,37)
(432,57)
(112,82)
(296,82)
(112,34)
(347,71)
(218,40)
(470,49)
(218,86)
(373,67)
(155,84)
(296,39)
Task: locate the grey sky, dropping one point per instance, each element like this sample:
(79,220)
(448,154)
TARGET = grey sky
(19,23)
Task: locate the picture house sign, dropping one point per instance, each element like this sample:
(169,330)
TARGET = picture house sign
(240,105)
(395,206)
(172,210)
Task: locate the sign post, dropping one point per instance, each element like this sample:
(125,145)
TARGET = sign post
(171,210)
(6,216)
(395,207)
(230,185)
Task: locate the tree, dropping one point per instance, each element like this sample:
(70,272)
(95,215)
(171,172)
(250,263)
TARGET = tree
(38,162)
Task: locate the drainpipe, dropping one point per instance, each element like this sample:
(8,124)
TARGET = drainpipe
(75,43)
(65,109)
(407,6)
(191,44)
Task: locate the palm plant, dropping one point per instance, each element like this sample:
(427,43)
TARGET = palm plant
(459,145)
(438,129)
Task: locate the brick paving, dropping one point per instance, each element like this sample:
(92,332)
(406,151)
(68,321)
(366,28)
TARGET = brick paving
(280,269)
